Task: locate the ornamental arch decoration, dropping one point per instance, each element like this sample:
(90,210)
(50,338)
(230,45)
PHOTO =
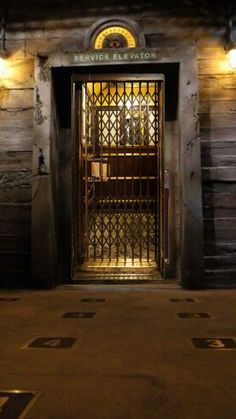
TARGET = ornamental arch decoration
(115,33)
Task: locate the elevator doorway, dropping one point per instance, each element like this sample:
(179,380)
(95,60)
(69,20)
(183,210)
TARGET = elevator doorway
(118,217)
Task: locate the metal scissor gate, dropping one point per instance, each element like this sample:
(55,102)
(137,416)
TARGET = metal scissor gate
(120,127)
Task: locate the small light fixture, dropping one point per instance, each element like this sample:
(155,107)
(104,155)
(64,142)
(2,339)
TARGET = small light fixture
(231,43)
(232,57)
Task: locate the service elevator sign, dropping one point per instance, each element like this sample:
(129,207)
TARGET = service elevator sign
(101,57)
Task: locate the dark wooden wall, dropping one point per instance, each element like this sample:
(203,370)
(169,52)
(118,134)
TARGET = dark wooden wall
(217,91)
(16,142)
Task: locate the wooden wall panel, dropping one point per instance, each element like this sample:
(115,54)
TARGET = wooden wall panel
(15,243)
(215,247)
(225,134)
(217,120)
(12,161)
(15,212)
(216,261)
(16,121)
(16,141)
(15,194)
(21,178)
(18,98)
(217,116)
(218,106)
(220,229)
(21,74)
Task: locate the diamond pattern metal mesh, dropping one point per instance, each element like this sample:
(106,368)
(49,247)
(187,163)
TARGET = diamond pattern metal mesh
(121,128)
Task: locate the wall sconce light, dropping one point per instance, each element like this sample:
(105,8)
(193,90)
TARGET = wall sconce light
(231,43)
(232,57)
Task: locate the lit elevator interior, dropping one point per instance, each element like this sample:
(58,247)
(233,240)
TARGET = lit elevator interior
(120,148)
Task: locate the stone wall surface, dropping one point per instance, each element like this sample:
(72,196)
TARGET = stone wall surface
(217,119)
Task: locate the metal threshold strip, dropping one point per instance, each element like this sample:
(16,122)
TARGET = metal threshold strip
(114,271)
(128,265)
(114,277)
(91,179)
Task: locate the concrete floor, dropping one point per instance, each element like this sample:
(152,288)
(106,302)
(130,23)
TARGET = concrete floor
(133,360)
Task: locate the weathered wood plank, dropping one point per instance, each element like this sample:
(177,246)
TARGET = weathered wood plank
(13,229)
(216,95)
(16,194)
(16,98)
(220,278)
(219,200)
(219,187)
(208,41)
(214,66)
(218,204)
(217,120)
(15,213)
(17,244)
(14,278)
(16,139)
(222,134)
(20,260)
(219,174)
(20,179)
(223,272)
(218,147)
(17,117)
(217,106)
(213,81)
(220,261)
(15,160)
(219,212)
(217,87)
(16,132)
(213,247)
(209,159)
(219,229)
(214,52)
(22,74)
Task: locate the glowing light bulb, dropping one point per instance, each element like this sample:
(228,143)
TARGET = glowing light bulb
(232,57)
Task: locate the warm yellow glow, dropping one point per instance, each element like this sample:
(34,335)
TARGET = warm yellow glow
(232,57)
(6,72)
(114,94)
(120,30)
(2,67)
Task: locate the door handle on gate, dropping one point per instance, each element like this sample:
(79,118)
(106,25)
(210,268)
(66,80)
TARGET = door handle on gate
(99,170)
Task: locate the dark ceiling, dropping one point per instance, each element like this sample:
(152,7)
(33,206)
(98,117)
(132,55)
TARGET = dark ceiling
(214,12)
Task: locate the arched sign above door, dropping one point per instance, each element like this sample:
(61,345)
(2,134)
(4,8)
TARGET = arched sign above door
(115,37)
(114,33)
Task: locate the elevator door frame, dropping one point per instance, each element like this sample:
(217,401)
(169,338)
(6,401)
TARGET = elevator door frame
(185,261)
(77,81)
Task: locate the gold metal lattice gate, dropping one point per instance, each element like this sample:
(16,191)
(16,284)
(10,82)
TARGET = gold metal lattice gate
(120,129)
